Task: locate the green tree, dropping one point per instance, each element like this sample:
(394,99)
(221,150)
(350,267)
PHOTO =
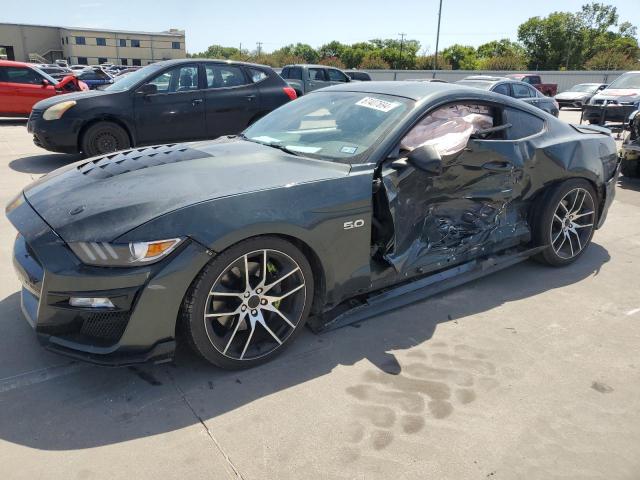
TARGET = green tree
(461,57)
(332,49)
(612,60)
(373,61)
(332,62)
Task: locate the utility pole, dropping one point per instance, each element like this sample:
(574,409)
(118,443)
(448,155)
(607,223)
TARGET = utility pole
(402,35)
(259,44)
(240,48)
(435,57)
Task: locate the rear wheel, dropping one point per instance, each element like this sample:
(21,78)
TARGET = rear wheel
(104,137)
(566,222)
(249,303)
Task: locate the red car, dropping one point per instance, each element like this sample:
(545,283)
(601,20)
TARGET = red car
(22,85)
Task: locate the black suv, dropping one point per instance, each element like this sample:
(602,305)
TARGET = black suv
(165,102)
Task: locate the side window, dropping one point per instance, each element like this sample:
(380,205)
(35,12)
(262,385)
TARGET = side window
(285,72)
(316,74)
(521,91)
(3,74)
(449,128)
(296,73)
(336,75)
(257,75)
(179,79)
(224,76)
(22,75)
(523,124)
(502,88)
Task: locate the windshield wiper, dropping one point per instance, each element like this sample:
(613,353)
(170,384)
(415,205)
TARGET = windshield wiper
(273,145)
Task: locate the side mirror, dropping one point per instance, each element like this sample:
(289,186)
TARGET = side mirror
(147,89)
(427,159)
(45,82)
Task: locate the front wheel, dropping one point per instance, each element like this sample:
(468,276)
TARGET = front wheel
(104,137)
(630,168)
(566,223)
(249,303)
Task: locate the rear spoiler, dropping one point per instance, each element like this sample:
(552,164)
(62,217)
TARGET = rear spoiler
(591,129)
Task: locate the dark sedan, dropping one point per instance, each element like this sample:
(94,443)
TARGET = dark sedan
(513,88)
(354,200)
(168,101)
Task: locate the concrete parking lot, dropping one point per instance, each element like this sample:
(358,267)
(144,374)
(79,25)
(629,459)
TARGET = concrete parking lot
(532,373)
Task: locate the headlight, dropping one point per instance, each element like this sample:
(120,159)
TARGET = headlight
(119,255)
(57,110)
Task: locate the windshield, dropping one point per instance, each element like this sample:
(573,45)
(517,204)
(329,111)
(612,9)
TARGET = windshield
(583,87)
(337,126)
(133,78)
(476,83)
(626,80)
(48,77)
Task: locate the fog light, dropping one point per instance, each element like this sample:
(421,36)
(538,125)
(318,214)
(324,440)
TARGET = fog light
(88,302)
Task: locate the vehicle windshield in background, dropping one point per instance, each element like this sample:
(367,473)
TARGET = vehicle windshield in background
(133,78)
(49,78)
(626,80)
(338,126)
(476,84)
(583,88)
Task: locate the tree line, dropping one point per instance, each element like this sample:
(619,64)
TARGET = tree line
(592,39)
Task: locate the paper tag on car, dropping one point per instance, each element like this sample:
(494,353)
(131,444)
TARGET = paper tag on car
(377,104)
(349,150)
(266,139)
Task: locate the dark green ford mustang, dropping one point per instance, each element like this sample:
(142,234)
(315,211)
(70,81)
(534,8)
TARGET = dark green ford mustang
(345,200)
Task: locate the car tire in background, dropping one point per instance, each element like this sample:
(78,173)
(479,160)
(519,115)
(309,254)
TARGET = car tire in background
(104,137)
(265,284)
(566,222)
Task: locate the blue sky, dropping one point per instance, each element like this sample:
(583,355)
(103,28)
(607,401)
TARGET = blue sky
(277,23)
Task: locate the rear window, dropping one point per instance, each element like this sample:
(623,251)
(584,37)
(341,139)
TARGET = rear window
(293,73)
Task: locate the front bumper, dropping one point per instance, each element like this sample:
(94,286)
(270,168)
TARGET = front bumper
(56,135)
(609,195)
(147,299)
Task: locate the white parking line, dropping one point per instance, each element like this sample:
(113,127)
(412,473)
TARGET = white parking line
(38,376)
(633,312)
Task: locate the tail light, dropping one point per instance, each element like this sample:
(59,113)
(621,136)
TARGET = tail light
(291,93)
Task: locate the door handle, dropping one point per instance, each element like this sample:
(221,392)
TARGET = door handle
(196,102)
(250,97)
(497,166)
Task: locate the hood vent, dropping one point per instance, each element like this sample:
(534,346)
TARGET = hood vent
(131,160)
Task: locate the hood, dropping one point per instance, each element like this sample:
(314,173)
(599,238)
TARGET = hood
(105,197)
(572,95)
(77,96)
(619,94)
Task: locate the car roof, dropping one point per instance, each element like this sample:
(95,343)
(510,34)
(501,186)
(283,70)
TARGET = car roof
(11,63)
(179,61)
(311,65)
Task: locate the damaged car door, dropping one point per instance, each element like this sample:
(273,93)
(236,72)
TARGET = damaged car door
(472,205)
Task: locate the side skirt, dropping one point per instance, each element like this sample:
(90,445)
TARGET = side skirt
(405,294)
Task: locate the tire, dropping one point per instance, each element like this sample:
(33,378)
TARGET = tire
(565,223)
(629,168)
(245,338)
(104,137)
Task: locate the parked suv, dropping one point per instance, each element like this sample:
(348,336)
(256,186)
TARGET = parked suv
(170,101)
(23,84)
(306,78)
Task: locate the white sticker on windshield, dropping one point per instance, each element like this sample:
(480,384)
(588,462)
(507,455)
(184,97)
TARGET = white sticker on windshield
(377,104)
(265,139)
(303,149)
(349,150)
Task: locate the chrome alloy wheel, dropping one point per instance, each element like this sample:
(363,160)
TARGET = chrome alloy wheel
(572,223)
(255,304)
